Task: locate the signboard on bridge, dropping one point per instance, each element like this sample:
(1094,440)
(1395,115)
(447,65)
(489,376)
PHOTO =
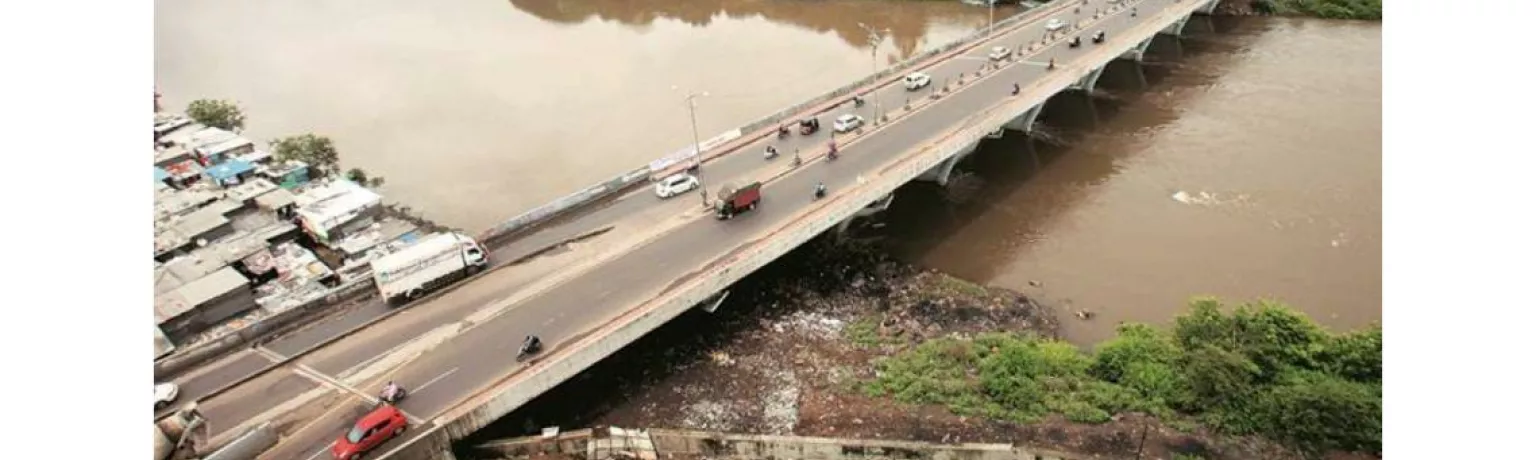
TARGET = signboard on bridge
(688,153)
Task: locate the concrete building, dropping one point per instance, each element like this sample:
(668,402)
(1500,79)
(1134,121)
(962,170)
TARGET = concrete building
(328,212)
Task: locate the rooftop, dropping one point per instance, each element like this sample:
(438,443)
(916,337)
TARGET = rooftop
(335,203)
(183,298)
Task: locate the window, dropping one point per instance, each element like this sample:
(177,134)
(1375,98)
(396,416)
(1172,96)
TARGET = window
(356,435)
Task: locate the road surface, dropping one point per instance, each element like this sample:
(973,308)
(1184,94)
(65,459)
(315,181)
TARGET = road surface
(446,349)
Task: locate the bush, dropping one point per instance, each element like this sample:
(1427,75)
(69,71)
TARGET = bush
(1261,369)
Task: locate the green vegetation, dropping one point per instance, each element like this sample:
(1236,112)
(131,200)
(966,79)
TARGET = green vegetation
(320,153)
(1260,369)
(1329,9)
(220,114)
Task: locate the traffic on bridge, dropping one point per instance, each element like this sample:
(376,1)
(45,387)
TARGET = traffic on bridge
(456,352)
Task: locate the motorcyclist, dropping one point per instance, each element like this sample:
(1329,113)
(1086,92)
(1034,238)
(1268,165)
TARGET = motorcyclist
(832,150)
(391,391)
(858,101)
(783,130)
(530,345)
(1051,65)
(1015,88)
(771,152)
(821,189)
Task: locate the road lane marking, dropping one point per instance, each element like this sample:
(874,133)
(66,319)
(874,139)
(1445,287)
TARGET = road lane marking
(318,452)
(326,380)
(435,379)
(269,354)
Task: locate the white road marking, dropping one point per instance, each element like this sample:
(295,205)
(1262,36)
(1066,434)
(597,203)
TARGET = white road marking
(269,354)
(318,452)
(435,379)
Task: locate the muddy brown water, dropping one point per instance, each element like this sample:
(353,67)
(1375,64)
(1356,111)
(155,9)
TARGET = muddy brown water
(1244,164)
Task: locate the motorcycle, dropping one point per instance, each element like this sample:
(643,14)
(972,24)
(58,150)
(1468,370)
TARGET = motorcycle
(858,101)
(783,131)
(392,395)
(531,346)
(821,192)
(832,151)
(770,153)
(1015,89)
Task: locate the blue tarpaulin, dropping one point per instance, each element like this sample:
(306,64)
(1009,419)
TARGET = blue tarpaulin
(226,170)
(161,175)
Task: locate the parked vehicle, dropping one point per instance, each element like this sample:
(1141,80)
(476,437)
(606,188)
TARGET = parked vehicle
(847,122)
(916,81)
(433,262)
(1055,25)
(165,394)
(676,184)
(736,200)
(999,53)
(379,425)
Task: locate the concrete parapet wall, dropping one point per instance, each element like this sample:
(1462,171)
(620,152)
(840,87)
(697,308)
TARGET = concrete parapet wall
(187,357)
(662,443)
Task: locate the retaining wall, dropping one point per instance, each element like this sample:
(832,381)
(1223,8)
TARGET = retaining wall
(662,443)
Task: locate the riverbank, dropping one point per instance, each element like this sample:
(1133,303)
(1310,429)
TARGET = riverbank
(809,347)
(1326,9)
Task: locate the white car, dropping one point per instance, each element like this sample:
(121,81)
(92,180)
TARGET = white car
(847,122)
(1055,25)
(165,393)
(916,81)
(676,184)
(1000,53)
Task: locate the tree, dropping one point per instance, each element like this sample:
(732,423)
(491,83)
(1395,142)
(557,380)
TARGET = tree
(318,151)
(220,114)
(362,178)
(1355,356)
(1317,412)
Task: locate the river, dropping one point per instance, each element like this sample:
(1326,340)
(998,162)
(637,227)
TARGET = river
(1248,166)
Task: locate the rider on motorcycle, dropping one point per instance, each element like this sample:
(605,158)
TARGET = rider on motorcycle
(391,391)
(531,345)
(821,189)
(771,152)
(1015,88)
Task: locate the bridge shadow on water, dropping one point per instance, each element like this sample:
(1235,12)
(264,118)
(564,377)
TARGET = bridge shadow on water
(923,216)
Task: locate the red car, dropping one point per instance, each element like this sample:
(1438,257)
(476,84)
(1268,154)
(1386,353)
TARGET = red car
(380,425)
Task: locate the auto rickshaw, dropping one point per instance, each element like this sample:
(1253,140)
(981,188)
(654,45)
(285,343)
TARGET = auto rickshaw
(809,126)
(1075,42)
(1098,37)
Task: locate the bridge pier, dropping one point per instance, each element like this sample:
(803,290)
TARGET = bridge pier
(1091,79)
(873,208)
(995,134)
(1139,52)
(1025,122)
(713,303)
(940,172)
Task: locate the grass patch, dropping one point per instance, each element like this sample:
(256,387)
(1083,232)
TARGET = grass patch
(1260,369)
(865,332)
(955,286)
(1328,9)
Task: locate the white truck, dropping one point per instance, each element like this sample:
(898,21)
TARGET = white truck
(435,261)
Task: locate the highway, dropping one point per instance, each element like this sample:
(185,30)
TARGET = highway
(447,348)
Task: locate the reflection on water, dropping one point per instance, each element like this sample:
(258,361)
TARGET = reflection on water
(1249,167)
(476,110)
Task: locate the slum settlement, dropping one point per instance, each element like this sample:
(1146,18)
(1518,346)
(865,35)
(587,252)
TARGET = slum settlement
(240,236)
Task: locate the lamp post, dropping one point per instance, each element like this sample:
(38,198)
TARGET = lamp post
(693,120)
(875,38)
(991,7)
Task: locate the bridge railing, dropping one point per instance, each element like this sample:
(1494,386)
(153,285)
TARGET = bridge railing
(623,183)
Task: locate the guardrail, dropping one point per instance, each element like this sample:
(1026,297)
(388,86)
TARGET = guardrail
(623,182)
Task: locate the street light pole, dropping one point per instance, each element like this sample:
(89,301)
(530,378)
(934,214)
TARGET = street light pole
(991,7)
(875,38)
(693,119)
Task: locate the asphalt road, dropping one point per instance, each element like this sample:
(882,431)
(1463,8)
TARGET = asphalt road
(448,347)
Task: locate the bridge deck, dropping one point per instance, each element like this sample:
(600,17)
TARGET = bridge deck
(452,348)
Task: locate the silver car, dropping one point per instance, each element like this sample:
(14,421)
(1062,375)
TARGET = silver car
(1055,25)
(847,122)
(676,184)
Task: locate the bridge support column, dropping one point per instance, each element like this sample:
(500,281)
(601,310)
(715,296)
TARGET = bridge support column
(1139,52)
(1087,83)
(1025,123)
(940,172)
(713,303)
(879,205)
(995,134)
(1176,29)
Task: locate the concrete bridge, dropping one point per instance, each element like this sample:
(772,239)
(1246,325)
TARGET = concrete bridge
(655,259)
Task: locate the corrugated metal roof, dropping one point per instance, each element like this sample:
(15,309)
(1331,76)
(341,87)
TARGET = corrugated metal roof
(276,198)
(212,286)
(228,169)
(203,220)
(334,204)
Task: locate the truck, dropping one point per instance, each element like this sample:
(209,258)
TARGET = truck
(735,199)
(431,263)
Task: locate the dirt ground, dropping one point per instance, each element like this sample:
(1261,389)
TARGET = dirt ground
(789,359)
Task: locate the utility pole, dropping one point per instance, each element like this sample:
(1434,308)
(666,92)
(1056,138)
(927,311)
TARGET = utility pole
(875,38)
(698,154)
(991,7)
